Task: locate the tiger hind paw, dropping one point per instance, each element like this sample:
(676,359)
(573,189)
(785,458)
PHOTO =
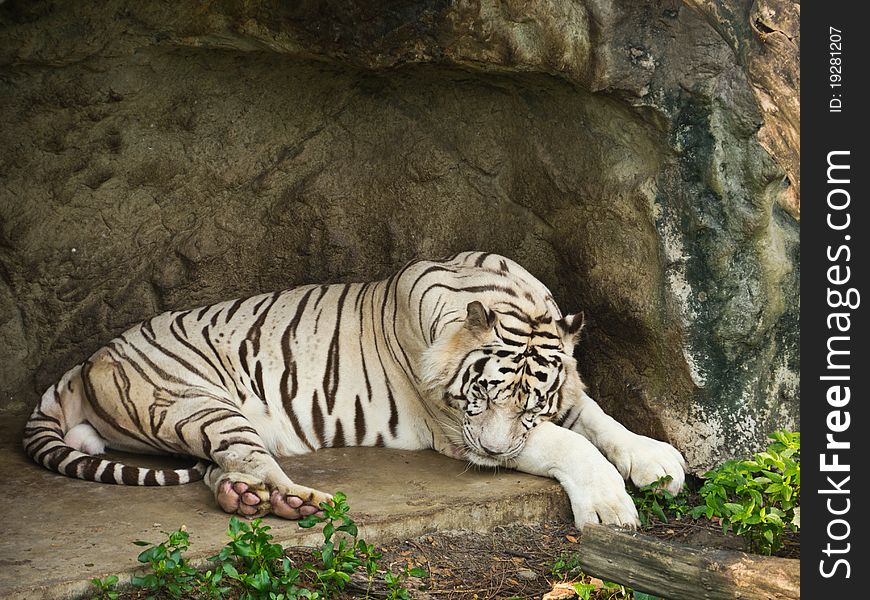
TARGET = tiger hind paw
(240,494)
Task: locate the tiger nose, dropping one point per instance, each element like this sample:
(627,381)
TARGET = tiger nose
(490,452)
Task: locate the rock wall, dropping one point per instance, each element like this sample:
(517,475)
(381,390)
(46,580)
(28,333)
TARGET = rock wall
(166,155)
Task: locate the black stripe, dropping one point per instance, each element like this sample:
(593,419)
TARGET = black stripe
(427,271)
(253,334)
(516,332)
(517,313)
(359,422)
(539,375)
(179,320)
(391,287)
(394,412)
(258,376)
(233,308)
(226,443)
(166,375)
(32,430)
(547,335)
(243,357)
(183,339)
(57,455)
(46,417)
(474,289)
(289,385)
(156,419)
(172,477)
(122,385)
(258,305)
(91,397)
(90,470)
(240,429)
(510,342)
(43,451)
(151,339)
(227,367)
(179,426)
(362,352)
(462,368)
(71,469)
(317,419)
(330,374)
(206,441)
(338,440)
(129,475)
(408,366)
(108,474)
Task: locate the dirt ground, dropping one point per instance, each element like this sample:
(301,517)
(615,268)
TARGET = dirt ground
(516,561)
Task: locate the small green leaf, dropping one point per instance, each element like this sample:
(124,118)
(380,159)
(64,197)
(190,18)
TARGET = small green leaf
(584,590)
(309,521)
(230,570)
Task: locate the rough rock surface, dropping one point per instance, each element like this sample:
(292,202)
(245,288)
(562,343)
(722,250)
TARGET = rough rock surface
(634,156)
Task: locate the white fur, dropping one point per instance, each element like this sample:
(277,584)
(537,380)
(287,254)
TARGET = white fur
(85,438)
(594,486)
(638,458)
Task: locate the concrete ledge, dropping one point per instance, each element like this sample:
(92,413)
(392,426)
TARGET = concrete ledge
(59,532)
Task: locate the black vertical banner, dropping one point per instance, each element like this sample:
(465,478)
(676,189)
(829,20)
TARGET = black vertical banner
(835,367)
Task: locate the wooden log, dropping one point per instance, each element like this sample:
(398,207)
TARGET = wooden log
(678,572)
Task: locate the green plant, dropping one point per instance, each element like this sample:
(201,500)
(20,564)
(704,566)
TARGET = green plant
(259,566)
(170,572)
(566,566)
(210,583)
(584,591)
(256,563)
(337,560)
(395,582)
(370,556)
(757,498)
(341,555)
(104,587)
(653,500)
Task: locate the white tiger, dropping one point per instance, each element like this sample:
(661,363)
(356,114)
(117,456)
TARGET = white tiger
(468,355)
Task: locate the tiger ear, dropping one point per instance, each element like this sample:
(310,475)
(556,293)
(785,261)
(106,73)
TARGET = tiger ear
(478,319)
(570,326)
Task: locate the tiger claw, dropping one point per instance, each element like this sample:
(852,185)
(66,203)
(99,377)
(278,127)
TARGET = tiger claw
(243,498)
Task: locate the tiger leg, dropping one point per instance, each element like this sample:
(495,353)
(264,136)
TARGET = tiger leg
(196,419)
(247,479)
(640,459)
(594,486)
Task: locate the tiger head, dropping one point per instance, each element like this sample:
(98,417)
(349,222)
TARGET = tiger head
(499,375)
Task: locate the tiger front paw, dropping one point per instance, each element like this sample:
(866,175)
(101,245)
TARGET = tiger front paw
(598,495)
(643,460)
